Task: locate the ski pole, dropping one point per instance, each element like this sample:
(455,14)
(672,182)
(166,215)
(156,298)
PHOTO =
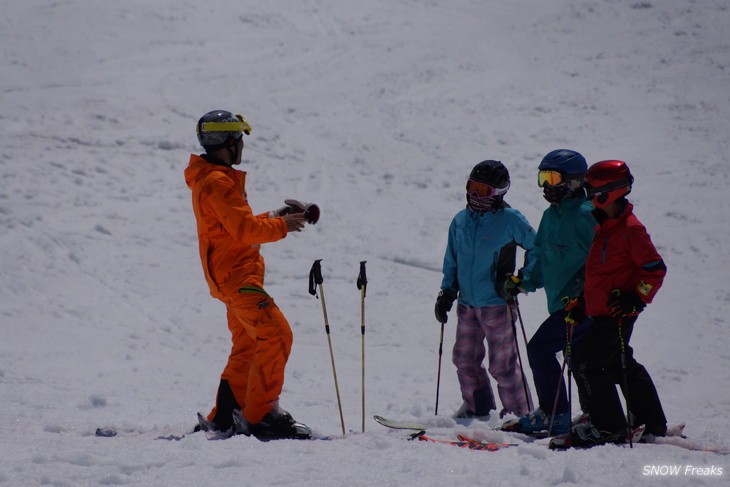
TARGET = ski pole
(519,315)
(568,338)
(438,377)
(517,346)
(569,322)
(315,277)
(625,372)
(362,283)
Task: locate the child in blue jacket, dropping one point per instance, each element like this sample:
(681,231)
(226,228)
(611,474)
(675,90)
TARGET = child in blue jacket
(480,254)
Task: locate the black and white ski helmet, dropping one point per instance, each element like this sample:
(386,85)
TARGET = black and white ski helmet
(494,179)
(492,173)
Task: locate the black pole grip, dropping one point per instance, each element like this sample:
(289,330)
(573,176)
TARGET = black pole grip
(362,280)
(315,277)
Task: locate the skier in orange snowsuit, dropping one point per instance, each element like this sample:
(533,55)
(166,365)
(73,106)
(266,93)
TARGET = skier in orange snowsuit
(230,236)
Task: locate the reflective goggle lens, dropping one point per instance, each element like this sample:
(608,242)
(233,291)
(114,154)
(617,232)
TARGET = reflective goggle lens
(482,190)
(551,178)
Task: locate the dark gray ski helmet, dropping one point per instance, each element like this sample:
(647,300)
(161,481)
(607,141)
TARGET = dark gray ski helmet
(218,128)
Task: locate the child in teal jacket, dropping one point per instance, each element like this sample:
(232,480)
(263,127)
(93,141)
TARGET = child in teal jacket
(561,247)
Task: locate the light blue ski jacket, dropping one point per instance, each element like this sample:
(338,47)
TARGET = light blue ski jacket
(561,247)
(481,252)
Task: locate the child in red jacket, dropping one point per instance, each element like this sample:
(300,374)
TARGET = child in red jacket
(623,273)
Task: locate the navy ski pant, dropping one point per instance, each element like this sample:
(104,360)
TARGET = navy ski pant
(549,339)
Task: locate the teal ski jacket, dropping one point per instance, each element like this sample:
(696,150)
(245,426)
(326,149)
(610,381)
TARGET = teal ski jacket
(563,240)
(481,252)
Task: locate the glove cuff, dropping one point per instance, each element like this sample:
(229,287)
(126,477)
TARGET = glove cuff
(449,294)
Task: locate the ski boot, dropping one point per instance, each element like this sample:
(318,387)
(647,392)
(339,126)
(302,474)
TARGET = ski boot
(537,423)
(212,432)
(278,424)
(586,435)
(465,413)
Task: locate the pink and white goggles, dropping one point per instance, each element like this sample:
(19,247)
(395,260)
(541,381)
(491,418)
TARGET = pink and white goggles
(482,190)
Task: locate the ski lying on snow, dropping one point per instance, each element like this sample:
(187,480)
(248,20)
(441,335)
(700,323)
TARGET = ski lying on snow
(420,435)
(685,443)
(407,425)
(399,425)
(675,437)
(464,442)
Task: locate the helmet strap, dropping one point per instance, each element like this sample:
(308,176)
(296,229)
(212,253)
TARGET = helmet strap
(233,151)
(231,147)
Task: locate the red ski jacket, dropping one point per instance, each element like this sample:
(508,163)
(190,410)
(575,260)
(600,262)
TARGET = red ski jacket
(622,257)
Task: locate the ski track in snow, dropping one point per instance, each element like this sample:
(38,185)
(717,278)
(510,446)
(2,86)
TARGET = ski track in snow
(376,111)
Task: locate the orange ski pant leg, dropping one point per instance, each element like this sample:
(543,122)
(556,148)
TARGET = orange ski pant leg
(262,340)
(239,363)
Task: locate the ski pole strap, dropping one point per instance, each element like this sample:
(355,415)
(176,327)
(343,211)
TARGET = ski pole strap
(362,280)
(315,277)
(569,304)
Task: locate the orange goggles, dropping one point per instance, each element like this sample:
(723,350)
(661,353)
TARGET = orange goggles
(483,190)
(550,178)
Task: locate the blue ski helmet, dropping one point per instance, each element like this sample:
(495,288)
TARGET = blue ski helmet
(561,174)
(567,161)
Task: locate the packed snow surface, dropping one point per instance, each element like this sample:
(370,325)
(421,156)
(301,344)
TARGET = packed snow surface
(376,111)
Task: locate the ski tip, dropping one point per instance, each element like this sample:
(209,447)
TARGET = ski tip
(676,430)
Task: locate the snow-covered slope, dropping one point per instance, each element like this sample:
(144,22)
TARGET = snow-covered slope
(376,111)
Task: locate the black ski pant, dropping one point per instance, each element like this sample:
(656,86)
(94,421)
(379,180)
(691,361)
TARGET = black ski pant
(598,369)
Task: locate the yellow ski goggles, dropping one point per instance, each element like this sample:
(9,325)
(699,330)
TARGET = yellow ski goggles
(550,178)
(240,126)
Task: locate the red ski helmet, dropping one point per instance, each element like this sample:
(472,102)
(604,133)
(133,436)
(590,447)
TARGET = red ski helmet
(607,181)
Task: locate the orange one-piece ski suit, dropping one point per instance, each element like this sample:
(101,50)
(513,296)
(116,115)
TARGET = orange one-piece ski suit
(229,236)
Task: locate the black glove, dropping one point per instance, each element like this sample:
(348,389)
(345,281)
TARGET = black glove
(444,301)
(625,304)
(510,287)
(575,310)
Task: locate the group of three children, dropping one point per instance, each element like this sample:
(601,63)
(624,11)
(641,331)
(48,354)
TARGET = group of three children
(599,269)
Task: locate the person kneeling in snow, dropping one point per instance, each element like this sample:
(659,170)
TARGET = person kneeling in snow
(230,236)
(480,254)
